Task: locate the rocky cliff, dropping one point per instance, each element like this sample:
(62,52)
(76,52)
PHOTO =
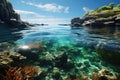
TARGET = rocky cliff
(8,15)
(108,15)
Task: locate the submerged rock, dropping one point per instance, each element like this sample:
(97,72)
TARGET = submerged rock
(4,46)
(56,74)
(46,60)
(62,61)
(109,53)
(31,51)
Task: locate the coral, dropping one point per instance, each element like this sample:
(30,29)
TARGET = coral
(29,72)
(107,74)
(13,73)
(6,58)
(95,77)
(6,53)
(84,77)
(118,77)
(25,73)
(76,78)
(104,74)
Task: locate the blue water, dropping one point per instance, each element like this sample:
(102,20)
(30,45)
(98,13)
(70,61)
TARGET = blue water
(87,36)
(60,38)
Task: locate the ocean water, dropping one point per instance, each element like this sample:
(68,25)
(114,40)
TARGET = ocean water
(79,44)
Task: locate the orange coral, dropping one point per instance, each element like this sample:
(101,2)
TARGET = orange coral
(13,74)
(95,77)
(84,77)
(24,73)
(29,72)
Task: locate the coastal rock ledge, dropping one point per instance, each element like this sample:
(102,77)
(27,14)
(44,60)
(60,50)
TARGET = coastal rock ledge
(108,15)
(9,16)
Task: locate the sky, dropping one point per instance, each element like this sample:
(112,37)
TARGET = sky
(55,11)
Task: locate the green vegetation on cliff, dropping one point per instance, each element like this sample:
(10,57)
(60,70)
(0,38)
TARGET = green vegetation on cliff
(108,15)
(105,11)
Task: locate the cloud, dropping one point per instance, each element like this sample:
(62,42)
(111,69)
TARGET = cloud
(51,7)
(34,17)
(86,9)
(49,20)
(27,13)
(66,10)
(24,12)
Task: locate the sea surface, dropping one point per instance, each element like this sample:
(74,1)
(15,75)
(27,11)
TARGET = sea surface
(80,44)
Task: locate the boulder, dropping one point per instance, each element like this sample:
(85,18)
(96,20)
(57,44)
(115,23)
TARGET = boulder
(62,61)
(109,53)
(75,22)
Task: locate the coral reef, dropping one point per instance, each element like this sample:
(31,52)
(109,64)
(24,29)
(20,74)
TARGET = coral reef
(104,74)
(109,54)
(22,73)
(55,62)
(7,58)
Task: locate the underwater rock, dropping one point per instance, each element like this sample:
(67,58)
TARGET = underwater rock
(32,53)
(56,74)
(4,46)
(112,56)
(33,47)
(74,52)
(62,48)
(61,59)
(86,63)
(72,76)
(47,59)
(42,76)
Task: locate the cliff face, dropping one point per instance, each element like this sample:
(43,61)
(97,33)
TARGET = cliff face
(108,15)
(7,12)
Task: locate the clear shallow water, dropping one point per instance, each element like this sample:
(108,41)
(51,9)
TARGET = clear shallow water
(79,44)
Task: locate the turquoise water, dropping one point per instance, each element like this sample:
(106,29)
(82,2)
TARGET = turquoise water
(79,44)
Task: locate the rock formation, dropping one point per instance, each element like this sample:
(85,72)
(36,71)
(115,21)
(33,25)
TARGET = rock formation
(77,21)
(8,15)
(7,11)
(103,16)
